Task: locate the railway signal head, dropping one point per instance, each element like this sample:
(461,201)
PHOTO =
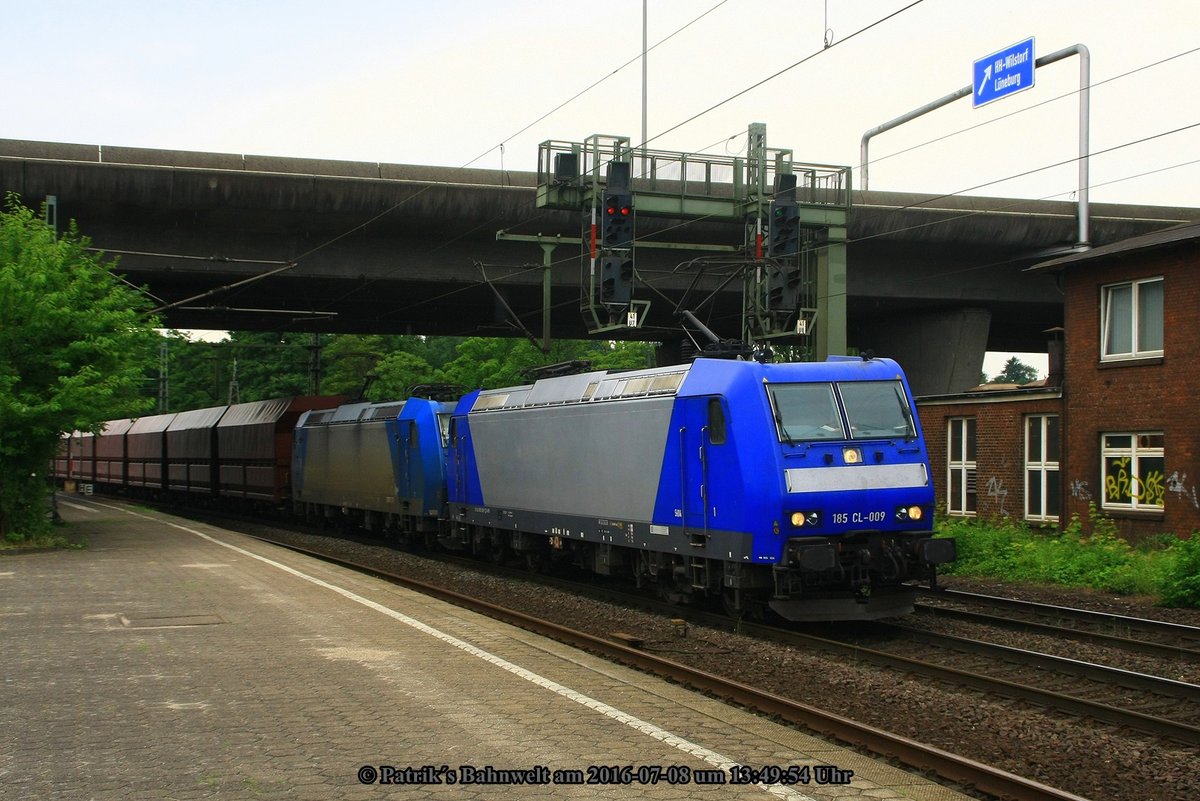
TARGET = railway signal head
(784,229)
(617,227)
(616,280)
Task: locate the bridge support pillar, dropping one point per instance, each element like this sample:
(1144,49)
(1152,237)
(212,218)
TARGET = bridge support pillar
(941,352)
(831,295)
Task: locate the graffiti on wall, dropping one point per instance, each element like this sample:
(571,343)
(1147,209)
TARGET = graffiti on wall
(1178,484)
(1080,491)
(1121,486)
(995,489)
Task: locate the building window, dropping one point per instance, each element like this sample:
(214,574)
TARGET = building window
(1133,471)
(1131,320)
(960,496)
(1042,489)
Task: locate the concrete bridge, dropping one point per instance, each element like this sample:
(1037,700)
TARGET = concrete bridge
(261,242)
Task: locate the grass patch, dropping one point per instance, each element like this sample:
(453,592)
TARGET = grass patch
(52,539)
(1165,567)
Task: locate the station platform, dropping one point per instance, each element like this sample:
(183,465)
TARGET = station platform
(177,660)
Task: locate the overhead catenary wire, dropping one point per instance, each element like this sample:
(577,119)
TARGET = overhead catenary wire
(783,71)
(677,126)
(1031,107)
(649,284)
(410,198)
(989,122)
(464,166)
(1025,173)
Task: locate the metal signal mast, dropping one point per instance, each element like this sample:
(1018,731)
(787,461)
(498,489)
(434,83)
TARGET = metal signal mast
(792,218)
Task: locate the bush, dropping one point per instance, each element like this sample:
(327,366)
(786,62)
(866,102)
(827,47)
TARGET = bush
(1013,551)
(1181,579)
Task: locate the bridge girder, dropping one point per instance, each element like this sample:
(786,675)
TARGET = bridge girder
(383,248)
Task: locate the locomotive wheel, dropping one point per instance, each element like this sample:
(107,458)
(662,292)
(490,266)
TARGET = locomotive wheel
(730,604)
(498,553)
(536,562)
(672,590)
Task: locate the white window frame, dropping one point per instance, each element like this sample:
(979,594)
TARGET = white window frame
(1107,323)
(967,502)
(1041,468)
(1146,490)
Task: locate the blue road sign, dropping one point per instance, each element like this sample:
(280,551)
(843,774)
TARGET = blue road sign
(1004,73)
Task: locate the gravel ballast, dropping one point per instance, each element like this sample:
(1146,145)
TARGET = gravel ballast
(1084,757)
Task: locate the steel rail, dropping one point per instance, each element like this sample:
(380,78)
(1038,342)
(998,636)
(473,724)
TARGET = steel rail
(1088,670)
(920,756)
(1084,615)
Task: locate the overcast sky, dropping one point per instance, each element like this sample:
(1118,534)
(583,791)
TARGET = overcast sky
(461,82)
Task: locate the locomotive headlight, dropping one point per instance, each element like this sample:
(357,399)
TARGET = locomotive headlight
(852,455)
(806,519)
(909,513)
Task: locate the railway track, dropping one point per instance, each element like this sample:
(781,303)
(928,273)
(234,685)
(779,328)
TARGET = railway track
(656,656)
(1155,705)
(1141,702)
(1139,635)
(950,767)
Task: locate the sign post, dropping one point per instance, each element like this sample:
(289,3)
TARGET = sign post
(1003,73)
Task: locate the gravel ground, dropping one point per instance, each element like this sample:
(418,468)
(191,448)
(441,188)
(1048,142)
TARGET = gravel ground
(1084,757)
(1181,668)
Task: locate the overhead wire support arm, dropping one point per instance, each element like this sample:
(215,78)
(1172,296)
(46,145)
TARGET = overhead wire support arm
(225,288)
(544,345)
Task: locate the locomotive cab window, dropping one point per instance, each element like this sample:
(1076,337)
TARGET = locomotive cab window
(805,412)
(877,409)
(716,422)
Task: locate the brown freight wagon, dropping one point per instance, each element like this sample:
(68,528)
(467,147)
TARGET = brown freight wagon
(191,451)
(110,453)
(254,443)
(146,452)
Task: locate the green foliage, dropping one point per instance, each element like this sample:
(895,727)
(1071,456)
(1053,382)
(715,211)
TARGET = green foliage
(347,360)
(489,363)
(75,345)
(280,364)
(397,373)
(14,540)
(1013,551)
(268,364)
(1181,579)
(1016,372)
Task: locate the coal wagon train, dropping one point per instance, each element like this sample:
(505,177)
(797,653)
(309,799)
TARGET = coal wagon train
(801,488)
(236,455)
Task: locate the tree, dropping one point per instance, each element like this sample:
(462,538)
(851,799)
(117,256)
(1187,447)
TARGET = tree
(265,364)
(491,363)
(348,360)
(75,346)
(1016,372)
(397,373)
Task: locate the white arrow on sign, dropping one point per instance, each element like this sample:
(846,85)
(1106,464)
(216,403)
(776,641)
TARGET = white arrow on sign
(987,76)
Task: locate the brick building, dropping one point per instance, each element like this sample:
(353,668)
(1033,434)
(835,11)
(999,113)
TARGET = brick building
(1117,427)
(977,446)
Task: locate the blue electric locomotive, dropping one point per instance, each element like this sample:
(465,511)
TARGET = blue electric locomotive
(803,487)
(377,465)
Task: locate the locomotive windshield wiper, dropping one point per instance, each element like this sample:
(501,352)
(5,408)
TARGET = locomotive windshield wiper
(783,432)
